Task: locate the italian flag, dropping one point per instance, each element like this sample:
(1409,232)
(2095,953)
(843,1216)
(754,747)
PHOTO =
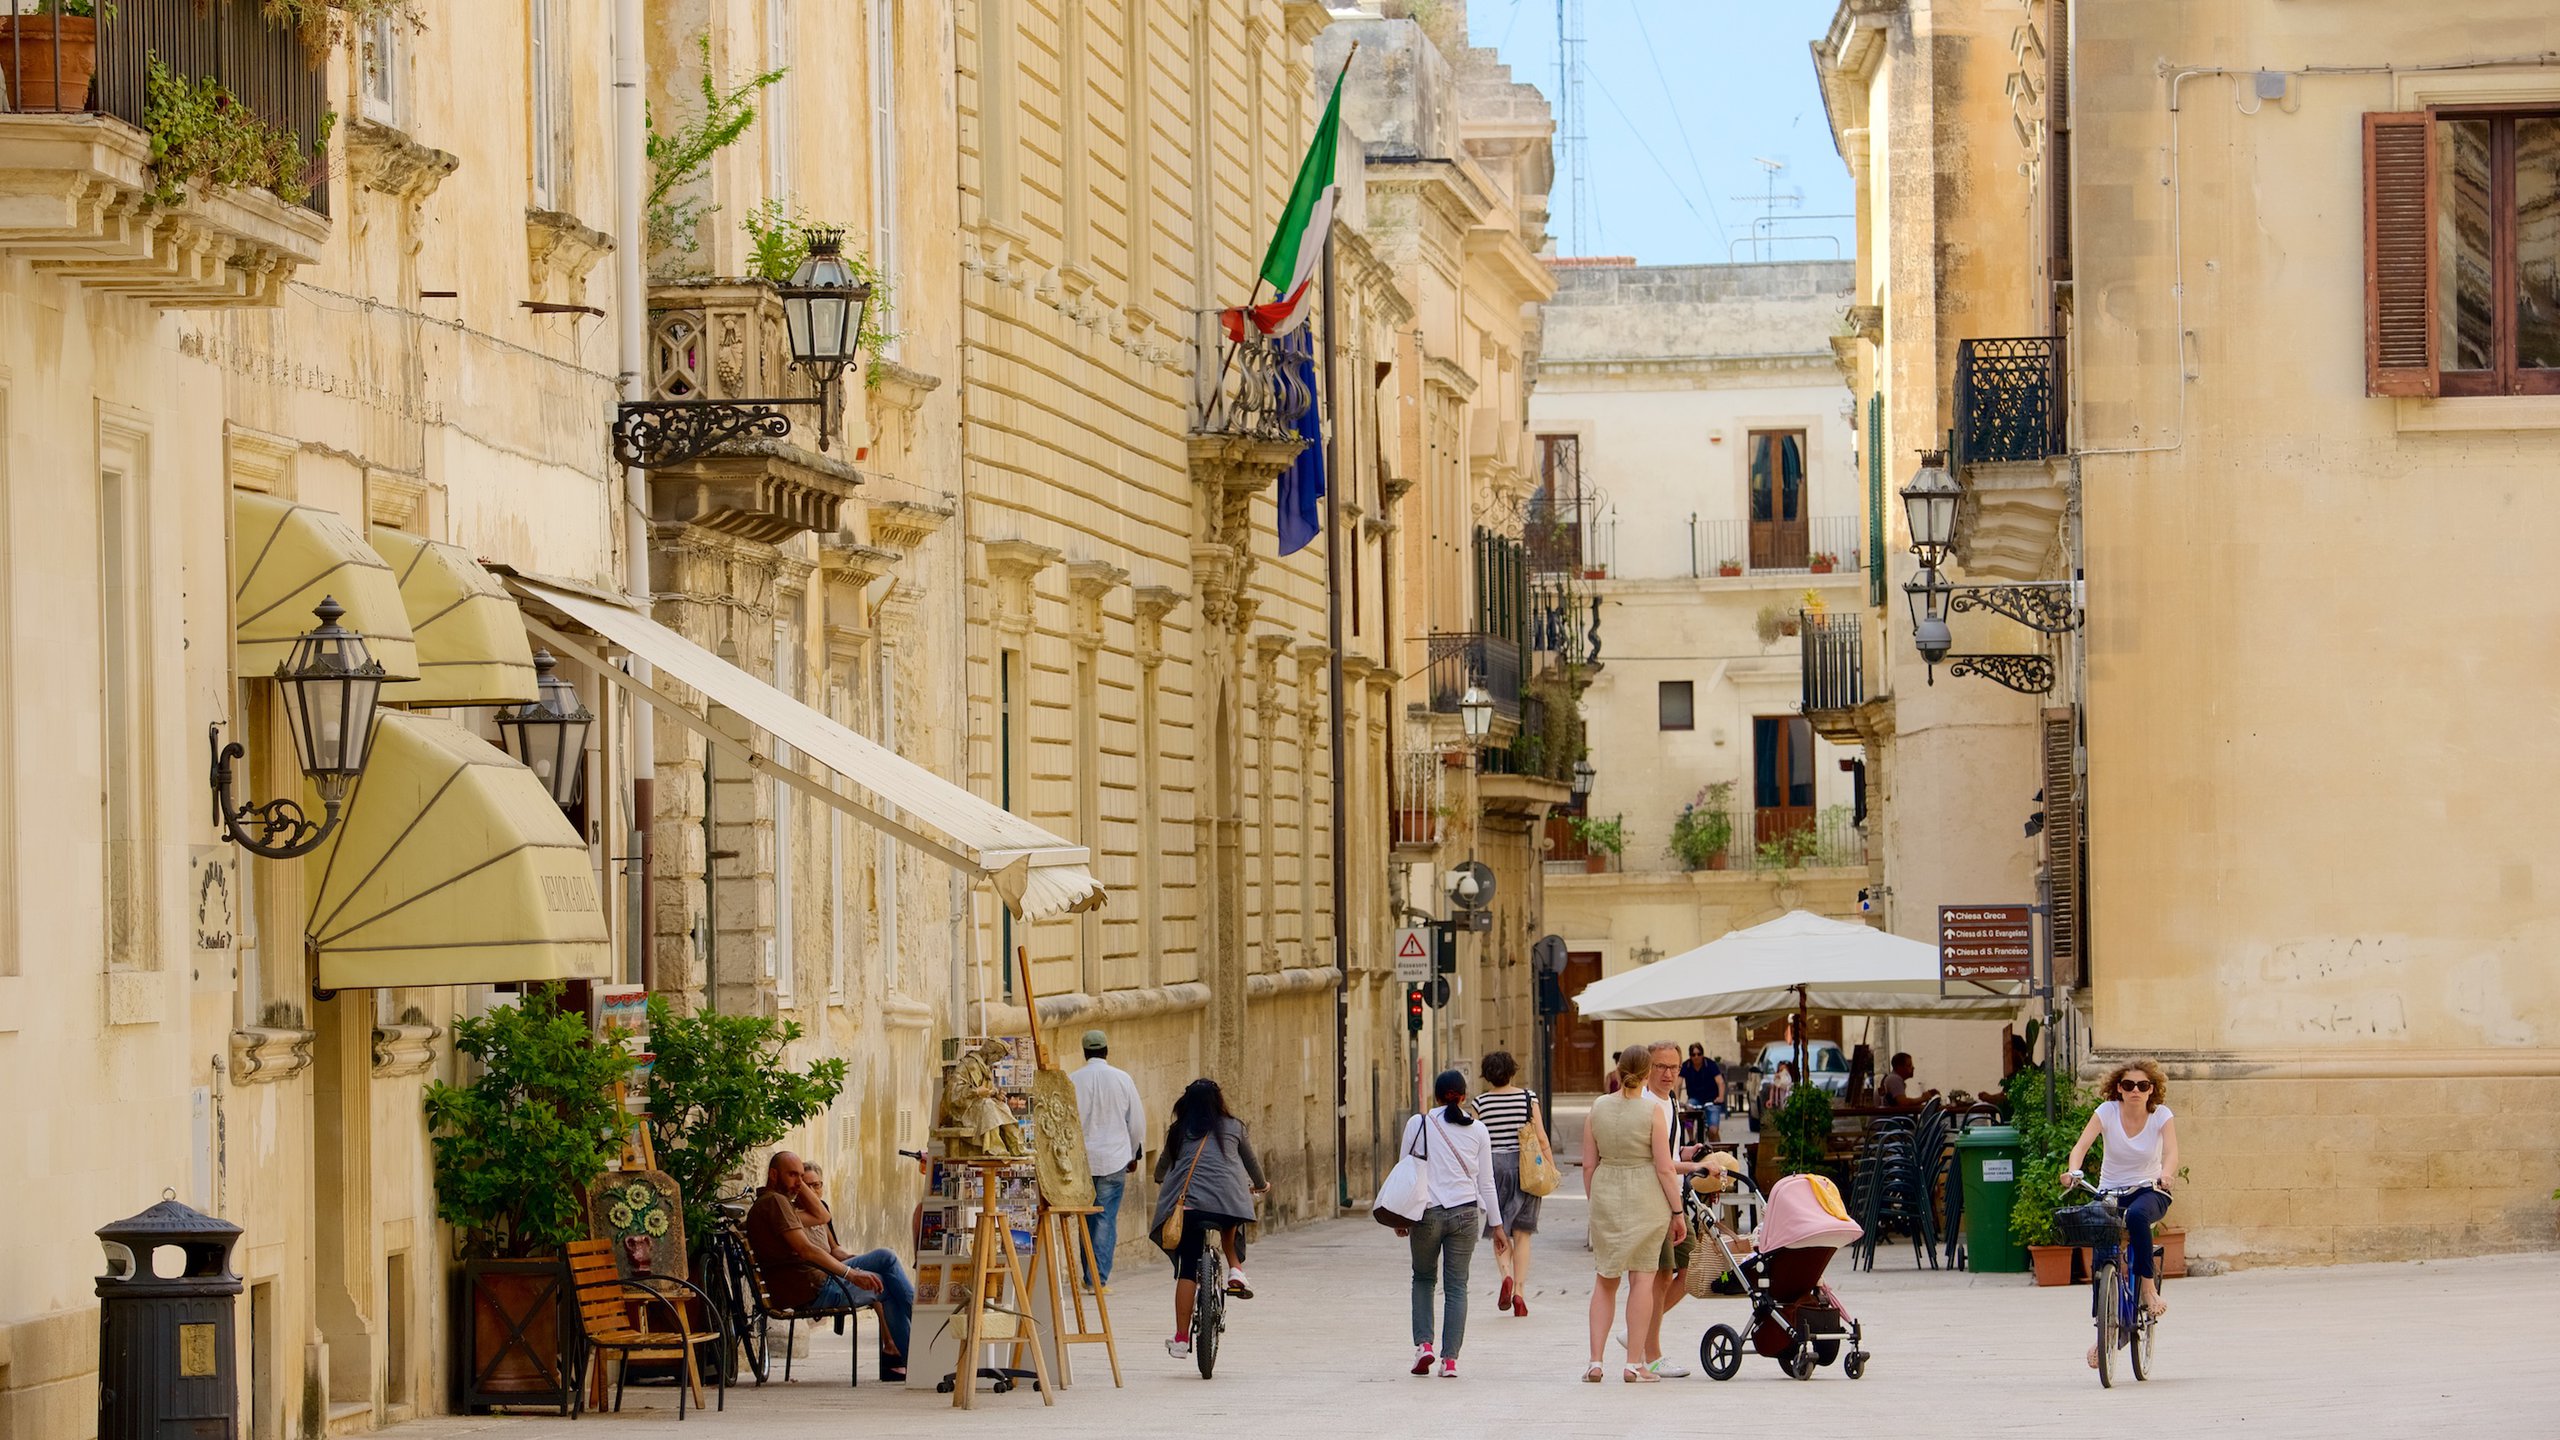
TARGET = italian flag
(1297,246)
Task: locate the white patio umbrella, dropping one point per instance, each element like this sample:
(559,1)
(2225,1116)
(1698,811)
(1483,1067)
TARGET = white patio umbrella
(1799,961)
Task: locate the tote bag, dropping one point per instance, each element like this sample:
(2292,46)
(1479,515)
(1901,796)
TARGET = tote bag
(1169,1234)
(1406,1192)
(1537,1162)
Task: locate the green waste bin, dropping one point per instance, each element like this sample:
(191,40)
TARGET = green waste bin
(1987,1157)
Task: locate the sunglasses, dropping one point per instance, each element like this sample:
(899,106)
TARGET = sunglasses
(2133,1084)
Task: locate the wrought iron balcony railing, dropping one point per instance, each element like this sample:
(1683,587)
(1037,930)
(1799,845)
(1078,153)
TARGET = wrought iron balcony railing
(1572,535)
(1258,391)
(63,64)
(1564,621)
(1422,798)
(1834,663)
(1824,544)
(1466,658)
(2009,401)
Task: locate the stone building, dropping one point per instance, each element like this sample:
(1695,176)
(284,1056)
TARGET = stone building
(1700,484)
(2146,364)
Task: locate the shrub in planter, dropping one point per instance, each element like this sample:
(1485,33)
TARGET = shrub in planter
(1704,827)
(1605,839)
(2044,1146)
(1803,1127)
(720,1089)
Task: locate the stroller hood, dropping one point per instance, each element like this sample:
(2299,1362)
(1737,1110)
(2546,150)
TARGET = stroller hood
(1805,1212)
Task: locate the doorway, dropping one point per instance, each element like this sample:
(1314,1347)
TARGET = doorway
(1781,777)
(1780,532)
(1579,1059)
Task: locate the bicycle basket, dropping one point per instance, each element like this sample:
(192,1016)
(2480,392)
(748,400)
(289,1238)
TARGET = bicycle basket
(2091,1224)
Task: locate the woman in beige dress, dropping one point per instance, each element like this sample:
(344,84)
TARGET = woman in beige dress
(1634,1186)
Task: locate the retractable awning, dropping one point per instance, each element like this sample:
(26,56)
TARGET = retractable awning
(471,644)
(1038,874)
(285,559)
(452,866)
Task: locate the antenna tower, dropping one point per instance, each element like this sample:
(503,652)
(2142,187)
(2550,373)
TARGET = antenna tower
(1569,134)
(1764,235)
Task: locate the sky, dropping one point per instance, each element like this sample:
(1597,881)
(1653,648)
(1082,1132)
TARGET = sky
(1680,100)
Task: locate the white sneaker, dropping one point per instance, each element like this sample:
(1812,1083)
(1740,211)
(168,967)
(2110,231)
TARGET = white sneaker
(1238,1286)
(1179,1347)
(1669,1370)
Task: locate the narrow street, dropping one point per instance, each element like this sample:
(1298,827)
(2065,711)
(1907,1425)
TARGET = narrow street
(1322,1349)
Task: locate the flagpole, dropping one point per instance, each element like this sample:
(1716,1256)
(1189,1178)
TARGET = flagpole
(1333,414)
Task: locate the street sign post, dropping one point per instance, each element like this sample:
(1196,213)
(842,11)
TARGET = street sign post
(1984,943)
(1413,955)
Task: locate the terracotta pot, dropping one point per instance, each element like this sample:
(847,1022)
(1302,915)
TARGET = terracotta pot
(1716,861)
(1821,567)
(31,49)
(513,1334)
(1728,571)
(1596,863)
(2173,1251)
(2053,1263)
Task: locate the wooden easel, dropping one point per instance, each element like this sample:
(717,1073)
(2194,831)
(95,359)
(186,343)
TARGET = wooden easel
(1065,1246)
(990,1239)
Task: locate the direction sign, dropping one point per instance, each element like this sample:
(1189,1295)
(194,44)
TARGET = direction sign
(1986,942)
(1413,955)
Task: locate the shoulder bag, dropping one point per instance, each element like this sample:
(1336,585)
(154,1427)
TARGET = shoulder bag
(1537,1161)
(1169,1234)
(1406,1192)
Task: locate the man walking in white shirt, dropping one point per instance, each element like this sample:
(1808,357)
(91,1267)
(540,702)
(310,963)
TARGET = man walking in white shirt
(1115,1135)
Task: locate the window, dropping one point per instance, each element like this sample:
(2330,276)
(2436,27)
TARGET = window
(1677,702)
(124,667)
(2462,255)
(378,68)
(775,112)
(549,120)
(1781,776)
(884,142)
(1778,530)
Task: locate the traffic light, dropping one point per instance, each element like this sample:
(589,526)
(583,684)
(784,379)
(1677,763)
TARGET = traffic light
(1413,1009)
(1550,995)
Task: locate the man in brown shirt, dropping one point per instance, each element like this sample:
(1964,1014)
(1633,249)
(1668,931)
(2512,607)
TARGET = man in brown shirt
(801,1271)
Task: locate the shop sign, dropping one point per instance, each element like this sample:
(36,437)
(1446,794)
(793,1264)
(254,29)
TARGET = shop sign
(1986,942)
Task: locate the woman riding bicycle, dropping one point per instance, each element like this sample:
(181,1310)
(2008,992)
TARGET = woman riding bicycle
(2141,1157)
(1215,1177)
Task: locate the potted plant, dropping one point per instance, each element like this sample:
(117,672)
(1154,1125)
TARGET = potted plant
(1772,624)
(1728,568)
(2044,1146)
(1823,563)
(1606,840)
(52,51)
(516,1149)
(1704,828)
(720,1090)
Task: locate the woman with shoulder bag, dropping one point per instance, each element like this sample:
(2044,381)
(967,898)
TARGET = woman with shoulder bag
(1215,1178)
(1634,1182)
(1459,1202)
(1510,1115)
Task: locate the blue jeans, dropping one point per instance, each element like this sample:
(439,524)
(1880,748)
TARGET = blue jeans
(1444,1245)
(896,1296)
(1104,1229)
(2142,1210)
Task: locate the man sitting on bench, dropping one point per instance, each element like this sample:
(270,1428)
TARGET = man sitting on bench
(803,1272)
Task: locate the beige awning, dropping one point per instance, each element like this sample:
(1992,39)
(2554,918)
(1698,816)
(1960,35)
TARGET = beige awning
(452,866)
(285,558)
(471,644)
(1038,874)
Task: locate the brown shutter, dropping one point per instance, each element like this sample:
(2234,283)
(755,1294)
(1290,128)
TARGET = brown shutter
(2057,140)
(2399,254)
(2062,838)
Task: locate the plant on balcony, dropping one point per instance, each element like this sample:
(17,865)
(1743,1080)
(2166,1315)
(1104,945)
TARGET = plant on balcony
(1704,828)
(204,133)
(1772,624)
(719,1090)
(1787,849)
(327,23)
(52,51)
(681,157)
(778,240)
(1822,563)
(1728,568)
(1607,836)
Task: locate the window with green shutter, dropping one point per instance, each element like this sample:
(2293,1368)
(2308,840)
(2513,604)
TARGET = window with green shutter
(1875,499)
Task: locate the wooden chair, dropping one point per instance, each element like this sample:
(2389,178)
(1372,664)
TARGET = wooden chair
(763,1312)
(606,1303)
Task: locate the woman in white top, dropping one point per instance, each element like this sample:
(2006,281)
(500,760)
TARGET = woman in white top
(1459,1206)
(2141,1150)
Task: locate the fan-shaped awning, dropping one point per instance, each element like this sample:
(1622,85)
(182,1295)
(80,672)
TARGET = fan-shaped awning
(287,557)
(471,644)
(452,866)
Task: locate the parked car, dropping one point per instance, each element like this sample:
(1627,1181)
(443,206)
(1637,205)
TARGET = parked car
(1830,1069)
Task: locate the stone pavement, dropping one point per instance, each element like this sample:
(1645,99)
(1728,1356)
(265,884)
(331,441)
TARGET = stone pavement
(2441,1348)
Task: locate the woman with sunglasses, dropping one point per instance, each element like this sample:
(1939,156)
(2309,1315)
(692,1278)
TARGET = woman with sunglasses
(2141,1154)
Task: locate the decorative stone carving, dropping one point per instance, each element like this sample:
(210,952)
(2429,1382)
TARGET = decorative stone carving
(264,1054)
(899,526)
(393,499)
(896,400)
(1088,581)
(1011,566)
(757,489)
(1149,605)
(386,161)
(561,251)
(405,1049)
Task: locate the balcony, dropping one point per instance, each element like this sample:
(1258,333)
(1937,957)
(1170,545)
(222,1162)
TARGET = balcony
(724,340)
(1564,622)
(1834,673)
(1569,535)
(79,194)
(1421,812)
(1823,545)
(1790,838)
(2011,453)
(1258,392)
(1463,658)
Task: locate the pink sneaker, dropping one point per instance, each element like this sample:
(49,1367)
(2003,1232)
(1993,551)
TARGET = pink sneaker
(1421,1359)
(1449,1369)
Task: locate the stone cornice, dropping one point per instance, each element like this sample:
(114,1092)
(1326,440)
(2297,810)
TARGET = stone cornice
(403,1049)
(386,161)
(1088,582)
(264,1054)
(1701,368)
(899,526)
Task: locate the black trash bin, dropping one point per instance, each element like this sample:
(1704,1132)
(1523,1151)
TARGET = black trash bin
(165,1342)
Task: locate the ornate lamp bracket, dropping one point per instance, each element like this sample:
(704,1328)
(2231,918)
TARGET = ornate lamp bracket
(2026,674)
(652,434)
(278,829)
(2051,607)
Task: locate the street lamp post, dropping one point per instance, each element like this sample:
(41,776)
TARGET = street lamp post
(2049,607)
(331,684)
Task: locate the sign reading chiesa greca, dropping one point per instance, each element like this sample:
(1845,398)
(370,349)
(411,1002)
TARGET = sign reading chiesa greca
(1986,942)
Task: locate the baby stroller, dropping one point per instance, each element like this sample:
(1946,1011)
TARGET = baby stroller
(1795,1319)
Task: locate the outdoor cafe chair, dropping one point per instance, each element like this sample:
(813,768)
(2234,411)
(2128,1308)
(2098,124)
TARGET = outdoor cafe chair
(606,1306)
(763,1312)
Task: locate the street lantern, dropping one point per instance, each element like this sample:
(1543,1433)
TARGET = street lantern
(1929,504)
(824,307)
(331,684)
(549,733)
(1927,592)
(1583,775)
(1475,710)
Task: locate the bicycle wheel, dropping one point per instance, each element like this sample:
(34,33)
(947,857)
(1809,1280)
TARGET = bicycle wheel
(2106,1300)
(1209,1309)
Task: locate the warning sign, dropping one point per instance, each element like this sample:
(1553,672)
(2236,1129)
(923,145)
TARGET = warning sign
(1986,942)
(1413,955)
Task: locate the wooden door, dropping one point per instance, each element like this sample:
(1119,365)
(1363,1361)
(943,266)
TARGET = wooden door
(1781,777)
(1780,532)
(1580,1058)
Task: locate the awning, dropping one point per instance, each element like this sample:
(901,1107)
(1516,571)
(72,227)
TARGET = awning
(471,644)
(1038,874)
(452,866)
(285,559)
(1843,967)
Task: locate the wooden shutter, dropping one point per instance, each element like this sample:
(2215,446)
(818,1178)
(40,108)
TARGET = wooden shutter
(2062,838)
(2399,254)
(2057,139)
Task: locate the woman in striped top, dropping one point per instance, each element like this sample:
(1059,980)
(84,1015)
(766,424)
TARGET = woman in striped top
(1504,1108)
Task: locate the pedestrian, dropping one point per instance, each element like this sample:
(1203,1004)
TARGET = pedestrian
(1506,1109)
(1703,1079)
(1662,1074)
(1458,1154)
(1629,1170)
(1215,1178)
(2140,1157)
(1115,1136)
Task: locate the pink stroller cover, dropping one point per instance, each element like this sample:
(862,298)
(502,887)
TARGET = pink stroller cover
(1805,1212)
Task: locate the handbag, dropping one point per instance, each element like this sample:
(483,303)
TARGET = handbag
(1538,1175)
(1169,1234)
(1406,1192)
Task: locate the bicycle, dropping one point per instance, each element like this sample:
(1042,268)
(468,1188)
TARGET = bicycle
(1209,1304)
(2115,1297)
